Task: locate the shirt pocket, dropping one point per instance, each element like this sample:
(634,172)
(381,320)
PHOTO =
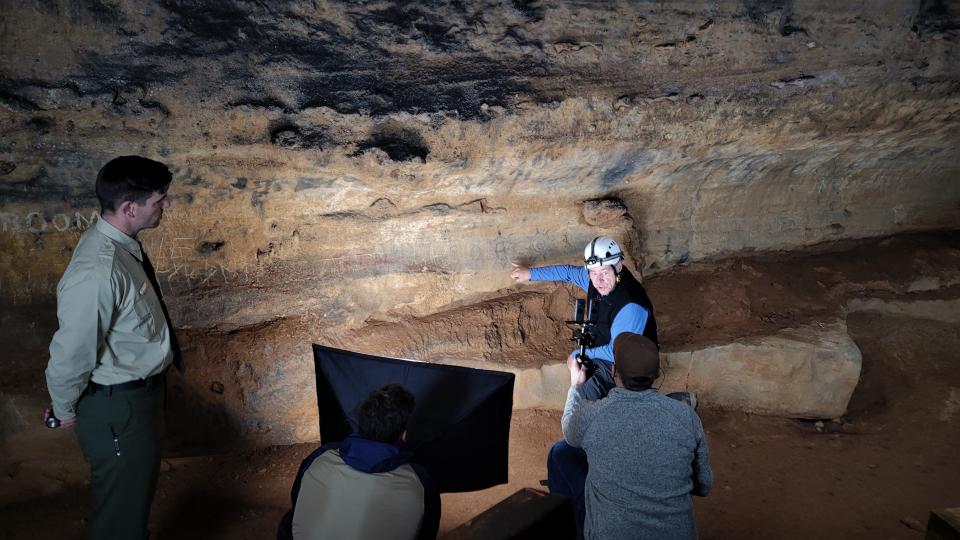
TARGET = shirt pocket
(146,321)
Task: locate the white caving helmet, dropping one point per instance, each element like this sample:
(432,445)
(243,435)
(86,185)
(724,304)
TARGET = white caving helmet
(602,251)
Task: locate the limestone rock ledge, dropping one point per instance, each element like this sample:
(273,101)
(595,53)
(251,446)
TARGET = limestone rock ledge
(947,311)
(807,372)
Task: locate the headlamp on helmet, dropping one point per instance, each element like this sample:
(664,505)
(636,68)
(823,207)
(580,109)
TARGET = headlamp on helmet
(602,251)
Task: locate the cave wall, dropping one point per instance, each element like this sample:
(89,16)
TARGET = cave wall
(343,164)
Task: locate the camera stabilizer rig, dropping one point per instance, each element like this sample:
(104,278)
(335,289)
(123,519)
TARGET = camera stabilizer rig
(584,321)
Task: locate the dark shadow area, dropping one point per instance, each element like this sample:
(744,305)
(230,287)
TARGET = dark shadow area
(909,366)
(528,514)
(61,516)
(201,513)
(935,16)
(293,136)
(27,329)
(400,145)
(197,424)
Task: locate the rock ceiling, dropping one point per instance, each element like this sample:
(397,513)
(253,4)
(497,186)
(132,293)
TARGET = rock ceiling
(384,159)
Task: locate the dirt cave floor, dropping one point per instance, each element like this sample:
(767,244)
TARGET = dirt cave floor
(875,473)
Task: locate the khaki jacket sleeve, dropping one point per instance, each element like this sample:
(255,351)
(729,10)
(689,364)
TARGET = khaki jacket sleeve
(84,310)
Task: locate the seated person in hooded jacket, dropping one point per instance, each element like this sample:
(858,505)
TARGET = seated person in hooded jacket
(364,487)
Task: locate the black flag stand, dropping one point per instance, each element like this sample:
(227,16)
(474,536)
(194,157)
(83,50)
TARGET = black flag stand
(460,429)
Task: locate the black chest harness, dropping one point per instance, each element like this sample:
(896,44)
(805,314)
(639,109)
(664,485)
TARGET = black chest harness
(606,308)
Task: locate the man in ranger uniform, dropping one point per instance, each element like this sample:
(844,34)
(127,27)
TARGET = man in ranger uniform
(114,345)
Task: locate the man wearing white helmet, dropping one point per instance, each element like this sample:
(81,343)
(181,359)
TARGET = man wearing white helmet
(620,304)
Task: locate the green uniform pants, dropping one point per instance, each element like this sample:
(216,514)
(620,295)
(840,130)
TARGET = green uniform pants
(119,433)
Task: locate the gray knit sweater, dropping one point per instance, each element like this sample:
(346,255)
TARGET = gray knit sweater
(647,454)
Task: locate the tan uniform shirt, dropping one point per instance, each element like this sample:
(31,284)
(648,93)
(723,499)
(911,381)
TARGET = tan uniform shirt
(112,327)
(338,501)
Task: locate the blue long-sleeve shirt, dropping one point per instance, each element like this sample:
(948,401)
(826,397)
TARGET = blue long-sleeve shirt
(631,318)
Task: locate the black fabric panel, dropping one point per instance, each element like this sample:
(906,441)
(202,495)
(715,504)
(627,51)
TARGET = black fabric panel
(334,422)
(481,439)
(460,429)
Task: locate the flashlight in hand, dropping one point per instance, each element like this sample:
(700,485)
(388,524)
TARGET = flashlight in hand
(52,421)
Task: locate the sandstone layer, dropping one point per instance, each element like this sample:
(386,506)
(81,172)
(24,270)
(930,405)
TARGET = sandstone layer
(364,174)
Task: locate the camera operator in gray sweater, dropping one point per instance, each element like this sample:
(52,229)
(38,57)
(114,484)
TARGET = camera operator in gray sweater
(647,452)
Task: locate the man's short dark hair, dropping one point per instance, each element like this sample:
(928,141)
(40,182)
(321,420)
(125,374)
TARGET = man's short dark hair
(384,414)
(130,178)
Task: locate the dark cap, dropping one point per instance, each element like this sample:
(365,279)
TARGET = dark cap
(637,360)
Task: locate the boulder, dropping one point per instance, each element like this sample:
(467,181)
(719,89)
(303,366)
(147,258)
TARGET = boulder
(807,372)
